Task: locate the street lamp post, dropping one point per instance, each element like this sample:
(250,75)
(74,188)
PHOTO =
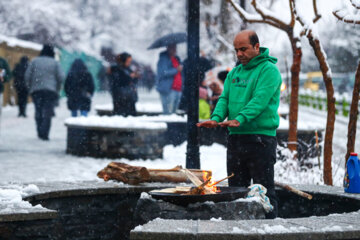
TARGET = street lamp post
(192,81)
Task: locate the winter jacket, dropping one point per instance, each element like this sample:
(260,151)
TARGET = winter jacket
(44,73)
(19,76)
(251,96)
(165,73)
(4,65)
(122,85)
(79,88)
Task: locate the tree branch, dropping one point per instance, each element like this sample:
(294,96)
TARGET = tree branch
(266,17)
(317,15)
(292,21)
(354,4)
(341,18)
(295,13)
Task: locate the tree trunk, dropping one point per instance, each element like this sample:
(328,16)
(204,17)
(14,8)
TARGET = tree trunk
(326,72)
(294,103)
(353,116)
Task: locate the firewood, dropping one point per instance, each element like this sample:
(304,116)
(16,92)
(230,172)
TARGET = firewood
(136,174)
(174,174)
(217,182)
(177,190)
(197,181)
(294,190)
(124,173)
(201,189)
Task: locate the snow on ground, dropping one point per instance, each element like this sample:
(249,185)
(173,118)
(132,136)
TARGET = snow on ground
(25,158)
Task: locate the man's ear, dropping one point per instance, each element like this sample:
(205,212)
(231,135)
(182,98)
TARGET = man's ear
(257,46)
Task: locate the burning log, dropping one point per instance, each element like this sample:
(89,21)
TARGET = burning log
(198,183)
(201,189)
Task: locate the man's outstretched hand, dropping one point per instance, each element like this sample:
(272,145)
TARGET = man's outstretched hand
(208,124)
(231,123)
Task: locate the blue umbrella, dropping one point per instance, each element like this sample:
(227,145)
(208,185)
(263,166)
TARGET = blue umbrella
(170,39)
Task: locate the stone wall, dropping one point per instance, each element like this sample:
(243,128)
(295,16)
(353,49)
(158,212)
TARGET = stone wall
(115,143)
(105,210)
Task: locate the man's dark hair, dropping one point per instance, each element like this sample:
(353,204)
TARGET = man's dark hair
(253,39)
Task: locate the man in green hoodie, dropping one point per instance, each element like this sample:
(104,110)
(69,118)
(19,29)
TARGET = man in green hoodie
(250,101)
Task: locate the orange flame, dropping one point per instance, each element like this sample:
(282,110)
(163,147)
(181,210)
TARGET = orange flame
(283,87)
(211,182)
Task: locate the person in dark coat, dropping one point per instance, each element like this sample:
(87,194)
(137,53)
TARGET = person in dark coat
(204,66)
(123,86)
(20,86)
(79,88)
(43,78)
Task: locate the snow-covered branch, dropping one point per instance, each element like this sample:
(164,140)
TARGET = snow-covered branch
(347,17)
(264,15)
(267,14)
(355,3)
(248,17)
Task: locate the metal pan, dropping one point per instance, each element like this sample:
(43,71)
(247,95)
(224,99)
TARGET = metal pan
(226,194)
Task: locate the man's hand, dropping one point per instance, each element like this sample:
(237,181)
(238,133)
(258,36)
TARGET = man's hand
(208,124)
(231,123)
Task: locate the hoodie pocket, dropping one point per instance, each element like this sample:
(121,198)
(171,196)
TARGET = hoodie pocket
(234,108)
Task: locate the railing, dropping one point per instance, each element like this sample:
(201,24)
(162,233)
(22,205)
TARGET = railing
(318,100)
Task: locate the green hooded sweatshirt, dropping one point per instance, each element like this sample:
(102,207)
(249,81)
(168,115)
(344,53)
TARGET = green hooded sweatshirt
(251,96)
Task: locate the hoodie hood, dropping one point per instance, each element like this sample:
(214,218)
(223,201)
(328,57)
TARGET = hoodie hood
(262,57)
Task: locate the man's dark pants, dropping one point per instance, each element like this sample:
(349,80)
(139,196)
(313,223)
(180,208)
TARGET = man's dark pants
(253,157)
(44,102)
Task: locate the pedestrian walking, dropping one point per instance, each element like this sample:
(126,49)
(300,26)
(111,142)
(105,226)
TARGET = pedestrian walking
(43,78)
(20,85)
(79,88)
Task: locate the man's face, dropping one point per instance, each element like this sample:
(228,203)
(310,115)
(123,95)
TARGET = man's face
(244,50)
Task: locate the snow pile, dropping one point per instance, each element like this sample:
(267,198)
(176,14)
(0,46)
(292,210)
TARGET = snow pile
(114,122)
(14,42)
(11,198)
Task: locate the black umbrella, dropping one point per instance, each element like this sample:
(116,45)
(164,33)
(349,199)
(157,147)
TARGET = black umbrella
(172,38)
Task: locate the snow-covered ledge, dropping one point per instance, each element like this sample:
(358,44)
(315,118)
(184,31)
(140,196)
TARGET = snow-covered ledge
(332,226)
(142,108)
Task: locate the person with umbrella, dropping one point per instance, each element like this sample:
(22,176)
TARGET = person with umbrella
(169,72)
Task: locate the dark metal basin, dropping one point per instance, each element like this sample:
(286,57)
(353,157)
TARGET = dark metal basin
(226,194)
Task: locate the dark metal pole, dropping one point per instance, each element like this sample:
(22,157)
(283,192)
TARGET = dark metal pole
(192,81)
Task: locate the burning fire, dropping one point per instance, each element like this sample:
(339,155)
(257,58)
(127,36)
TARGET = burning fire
(283,87)
(211,184)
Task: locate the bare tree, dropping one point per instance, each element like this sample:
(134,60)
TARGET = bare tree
(326,72)
(349,18)
(264,16)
